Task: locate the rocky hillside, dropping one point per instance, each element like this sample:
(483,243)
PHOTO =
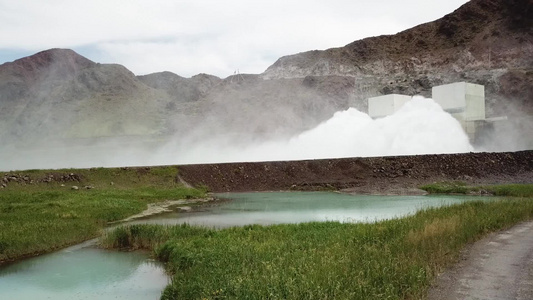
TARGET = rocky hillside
(489,42)
(60,95)
(482,34)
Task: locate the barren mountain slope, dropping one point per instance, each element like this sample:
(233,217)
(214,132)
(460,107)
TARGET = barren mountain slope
(488,42)
(58,94)
(485,42)
(181,89)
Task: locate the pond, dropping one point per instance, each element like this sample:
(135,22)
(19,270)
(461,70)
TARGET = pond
(295,207)
(85,272)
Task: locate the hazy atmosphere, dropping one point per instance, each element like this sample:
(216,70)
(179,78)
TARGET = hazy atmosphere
(420,127)
(91,84)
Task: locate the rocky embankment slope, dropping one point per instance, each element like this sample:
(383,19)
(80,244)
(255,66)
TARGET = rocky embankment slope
(374,175)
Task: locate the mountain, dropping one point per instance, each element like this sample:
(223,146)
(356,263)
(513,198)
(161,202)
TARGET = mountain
(59,95)
(181,89)
(488,42)
(482,34)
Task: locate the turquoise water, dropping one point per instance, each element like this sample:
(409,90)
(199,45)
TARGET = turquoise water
(295,207)
(83,273)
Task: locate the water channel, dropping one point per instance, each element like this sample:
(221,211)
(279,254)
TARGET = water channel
(85,272)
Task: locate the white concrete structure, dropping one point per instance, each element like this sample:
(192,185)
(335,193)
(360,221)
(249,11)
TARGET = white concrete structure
(464,101)
(386,105)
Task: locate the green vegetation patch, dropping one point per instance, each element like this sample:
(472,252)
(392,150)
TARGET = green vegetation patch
(513,190)
(38,216)
(394,259)
(457,187)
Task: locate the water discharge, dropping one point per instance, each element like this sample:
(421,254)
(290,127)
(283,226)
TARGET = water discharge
(421,126)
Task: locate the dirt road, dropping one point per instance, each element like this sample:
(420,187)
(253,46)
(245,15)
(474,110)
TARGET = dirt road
(497,267)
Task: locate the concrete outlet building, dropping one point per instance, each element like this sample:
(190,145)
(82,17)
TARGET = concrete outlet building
(465,102)
(382,106)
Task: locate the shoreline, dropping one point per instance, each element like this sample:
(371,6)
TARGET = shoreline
(162,207)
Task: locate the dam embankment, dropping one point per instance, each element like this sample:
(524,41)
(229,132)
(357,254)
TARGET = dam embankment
(374,175)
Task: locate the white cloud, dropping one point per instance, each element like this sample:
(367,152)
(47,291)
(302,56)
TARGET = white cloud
(189,37)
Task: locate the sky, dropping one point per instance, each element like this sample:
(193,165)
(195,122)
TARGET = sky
(188,37)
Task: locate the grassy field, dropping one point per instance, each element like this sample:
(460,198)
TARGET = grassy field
(394,259)
(49,214)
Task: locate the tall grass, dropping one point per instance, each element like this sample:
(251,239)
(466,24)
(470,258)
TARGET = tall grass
(394,259)
(513,190)
(457,187)
(41,217)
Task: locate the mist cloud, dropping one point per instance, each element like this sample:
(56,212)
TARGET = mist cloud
(419,127)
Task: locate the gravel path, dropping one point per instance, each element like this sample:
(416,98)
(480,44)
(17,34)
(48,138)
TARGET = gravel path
(497,267)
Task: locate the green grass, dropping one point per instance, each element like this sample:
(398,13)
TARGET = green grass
(102,178)
(455,187)
(512,190)
(394,259)
(41,217)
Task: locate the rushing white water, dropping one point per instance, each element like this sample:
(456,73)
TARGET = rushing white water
(421,126)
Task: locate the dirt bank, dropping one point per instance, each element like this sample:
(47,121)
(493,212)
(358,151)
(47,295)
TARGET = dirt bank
(373,175)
